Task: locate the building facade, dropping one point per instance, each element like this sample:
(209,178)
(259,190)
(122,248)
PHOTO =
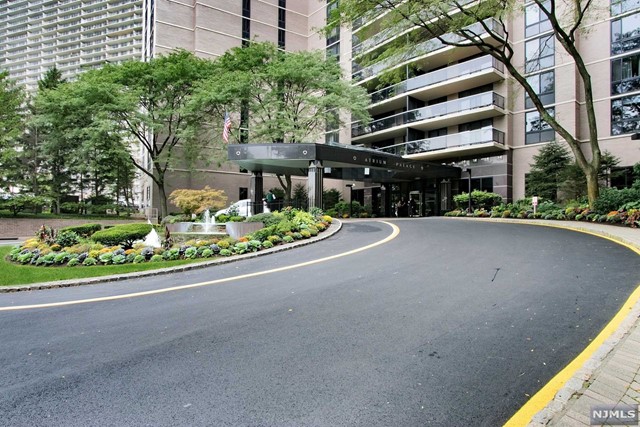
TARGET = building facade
(456,106)
(73,35)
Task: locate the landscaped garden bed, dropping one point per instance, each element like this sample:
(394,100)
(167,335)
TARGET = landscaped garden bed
(89,245)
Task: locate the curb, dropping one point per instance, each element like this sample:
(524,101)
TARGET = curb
(581,379)
(334,227)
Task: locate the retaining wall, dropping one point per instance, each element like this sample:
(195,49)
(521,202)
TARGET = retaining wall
(18,228)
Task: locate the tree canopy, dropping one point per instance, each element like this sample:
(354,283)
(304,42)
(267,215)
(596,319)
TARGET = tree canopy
(284,97)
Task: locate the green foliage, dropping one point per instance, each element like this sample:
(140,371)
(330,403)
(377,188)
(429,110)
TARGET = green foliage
(123,235)
(191,253)
(20,202)
(106,257)
(330,198)
(548,171)
(479,199)
(138,259)
(225,252)
(267,244)
(268,219)
(611,199)
(156,258)
(67,238)
(207,253)
(342,209)
(287,239)
(84,230)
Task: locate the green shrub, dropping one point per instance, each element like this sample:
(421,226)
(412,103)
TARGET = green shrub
(84,230)
(138,259)
(240,248)
(305,234)
(119,259)
(25,257)
(67,238)
(191,253)
(331,212)
(284,227)
(612,199)
(123,235)
(288,239)
(274,239)
(237,218)
(171,254)
(207,253)
(268,219)
(224,244)
(73,262)
(61,258)
(106,258)
(225,252)
(156,258)
(267,244)
(264,233)
(255,245)
(48,259)
(89,261)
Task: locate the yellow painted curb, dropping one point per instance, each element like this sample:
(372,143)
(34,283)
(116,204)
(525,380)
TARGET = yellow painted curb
(393,235)
(546,394)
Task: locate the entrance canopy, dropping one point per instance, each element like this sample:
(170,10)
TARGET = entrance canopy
(338,161)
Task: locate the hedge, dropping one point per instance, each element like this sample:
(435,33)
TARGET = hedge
(84,230)
(123,235)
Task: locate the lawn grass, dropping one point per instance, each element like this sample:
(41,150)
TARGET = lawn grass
(16,274)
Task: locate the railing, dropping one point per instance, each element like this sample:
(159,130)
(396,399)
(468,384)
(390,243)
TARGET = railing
(485,99)
(461,139)
(394,31)
(438,76)
(428,46)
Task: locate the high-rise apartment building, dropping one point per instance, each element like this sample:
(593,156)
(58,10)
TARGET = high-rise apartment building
(456,106)
(73,35)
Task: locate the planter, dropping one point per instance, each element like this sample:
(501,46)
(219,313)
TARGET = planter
(239,229)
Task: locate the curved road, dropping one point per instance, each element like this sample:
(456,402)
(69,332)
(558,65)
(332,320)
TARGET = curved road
(449,323)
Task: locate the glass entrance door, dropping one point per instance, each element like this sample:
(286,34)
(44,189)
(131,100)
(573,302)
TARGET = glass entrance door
(415,204)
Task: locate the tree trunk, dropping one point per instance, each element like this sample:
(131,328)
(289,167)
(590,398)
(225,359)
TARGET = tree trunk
(163,198)
(593,186)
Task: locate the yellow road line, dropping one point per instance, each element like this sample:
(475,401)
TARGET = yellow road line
(546,394)
(392,236)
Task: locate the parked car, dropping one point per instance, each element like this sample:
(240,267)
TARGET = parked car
(241,208)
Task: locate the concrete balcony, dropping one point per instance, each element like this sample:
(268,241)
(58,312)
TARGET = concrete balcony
(450,113)
(436,51)
(475,142)
(442,82)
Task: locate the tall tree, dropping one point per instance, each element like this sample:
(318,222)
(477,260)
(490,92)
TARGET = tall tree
(290,96)
(146,102)
(462,23)
(548,171)
(11,120)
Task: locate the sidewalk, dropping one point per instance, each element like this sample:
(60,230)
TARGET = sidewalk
(612,374)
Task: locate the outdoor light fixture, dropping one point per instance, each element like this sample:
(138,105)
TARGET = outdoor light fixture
(468,170)
(350,199)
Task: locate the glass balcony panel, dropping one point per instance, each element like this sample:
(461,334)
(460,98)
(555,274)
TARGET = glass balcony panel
(438,110)
(423,48)
(461,139)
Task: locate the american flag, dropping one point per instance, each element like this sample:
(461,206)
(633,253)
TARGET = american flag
(226,128)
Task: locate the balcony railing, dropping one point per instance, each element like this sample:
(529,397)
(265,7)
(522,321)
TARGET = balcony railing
(428,46)
(473,137)
(473,102)
(438,76)
(394,31)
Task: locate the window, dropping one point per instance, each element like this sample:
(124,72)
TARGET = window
(625,34)
(544,86)
(333,51)
(625,74)
(478,124)
(539,54)
(434,133)
(332,137)
(625,115)
(282,16)
(476,90)
(536,21)
(536,129)
(333,38)
(622,6)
